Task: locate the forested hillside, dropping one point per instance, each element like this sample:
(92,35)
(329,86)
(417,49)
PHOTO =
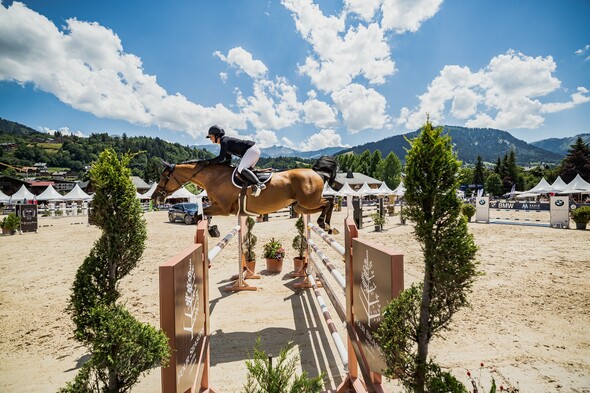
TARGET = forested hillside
(24,146)
(469,143)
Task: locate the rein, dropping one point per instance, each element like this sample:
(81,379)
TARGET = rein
(198,167)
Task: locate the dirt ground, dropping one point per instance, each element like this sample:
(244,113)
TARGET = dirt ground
(529,316)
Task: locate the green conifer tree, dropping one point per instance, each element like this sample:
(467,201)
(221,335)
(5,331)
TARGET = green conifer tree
(121,348)
(423,310)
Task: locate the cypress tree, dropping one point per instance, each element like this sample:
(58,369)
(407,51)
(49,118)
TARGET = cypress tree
(121,348)
(423,310)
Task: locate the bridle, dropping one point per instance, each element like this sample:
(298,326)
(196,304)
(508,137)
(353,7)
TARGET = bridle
(168,174)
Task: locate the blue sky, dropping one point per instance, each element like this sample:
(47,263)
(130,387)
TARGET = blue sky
(299,73)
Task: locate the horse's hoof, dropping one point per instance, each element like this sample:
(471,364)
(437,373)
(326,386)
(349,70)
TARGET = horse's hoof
(333,231)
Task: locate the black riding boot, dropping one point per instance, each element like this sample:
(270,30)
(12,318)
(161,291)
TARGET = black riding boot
(257,186)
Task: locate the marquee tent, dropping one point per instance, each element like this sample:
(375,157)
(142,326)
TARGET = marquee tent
(400,190)
(77,194)
(384,190)
(347,190)
(543,187)
(49,194)
(558,186)
(22,195)
(329,191)
(366,190)
(577,186)
(148,194)
(4,198)
(183,193)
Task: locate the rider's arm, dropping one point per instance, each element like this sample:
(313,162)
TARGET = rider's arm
(222,153)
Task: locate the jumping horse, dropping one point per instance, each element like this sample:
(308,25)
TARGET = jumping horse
(301,187)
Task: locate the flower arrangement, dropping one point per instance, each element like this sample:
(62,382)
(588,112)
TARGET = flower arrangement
(274,250)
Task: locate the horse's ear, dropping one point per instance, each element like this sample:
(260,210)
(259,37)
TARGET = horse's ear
(167,165)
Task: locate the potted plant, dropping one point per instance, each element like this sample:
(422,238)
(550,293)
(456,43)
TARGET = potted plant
(581,216)
(249,242)
(10,224)
(468,211)
(378,220)
(300,245)
(274,254)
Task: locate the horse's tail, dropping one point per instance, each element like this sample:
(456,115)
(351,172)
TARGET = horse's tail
(326,166)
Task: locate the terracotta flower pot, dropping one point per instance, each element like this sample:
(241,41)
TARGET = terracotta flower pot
(274,265)
(298,263)
(251,265)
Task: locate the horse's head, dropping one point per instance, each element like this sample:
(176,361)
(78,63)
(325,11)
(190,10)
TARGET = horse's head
(167,184)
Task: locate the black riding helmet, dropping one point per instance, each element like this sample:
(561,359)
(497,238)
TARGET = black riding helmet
(215,131)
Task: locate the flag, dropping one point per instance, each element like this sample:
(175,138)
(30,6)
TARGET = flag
(512,190)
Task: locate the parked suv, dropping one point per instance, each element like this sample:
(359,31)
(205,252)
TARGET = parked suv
(184,211)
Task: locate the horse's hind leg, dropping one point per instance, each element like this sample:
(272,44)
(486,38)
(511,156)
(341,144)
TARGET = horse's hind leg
(326,216)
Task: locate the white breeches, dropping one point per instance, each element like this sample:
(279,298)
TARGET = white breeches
(250,158)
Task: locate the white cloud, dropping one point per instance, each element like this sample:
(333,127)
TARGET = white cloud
(407,15)
(64,131)
(223,76)
(85,66)
(321,140)
(581,96)
(363,8)
(361,108)
(319,112)
(340,54)
(242,59)
(583,51)
(506,94)
(273,105)
(265,138)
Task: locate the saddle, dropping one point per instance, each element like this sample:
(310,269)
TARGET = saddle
(264,175)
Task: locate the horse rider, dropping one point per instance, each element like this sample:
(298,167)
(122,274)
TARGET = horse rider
(245,149)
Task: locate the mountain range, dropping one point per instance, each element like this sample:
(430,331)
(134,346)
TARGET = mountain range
(469,143)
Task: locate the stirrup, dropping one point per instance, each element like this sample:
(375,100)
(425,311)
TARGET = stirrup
(256,188)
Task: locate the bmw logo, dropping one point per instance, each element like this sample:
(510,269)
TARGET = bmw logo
(559,202)
(482,202)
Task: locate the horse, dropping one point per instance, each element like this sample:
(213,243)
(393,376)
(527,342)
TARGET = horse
(300,187)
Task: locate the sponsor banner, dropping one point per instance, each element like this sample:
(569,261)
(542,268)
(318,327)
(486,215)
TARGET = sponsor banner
(29,219)
(519,205)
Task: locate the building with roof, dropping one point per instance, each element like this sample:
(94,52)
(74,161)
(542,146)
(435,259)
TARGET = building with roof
(140,185)
(355,180)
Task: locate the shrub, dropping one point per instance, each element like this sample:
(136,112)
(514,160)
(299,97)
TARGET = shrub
(581,215)
(378,219)
(468,210)
(11,222)
(263,377)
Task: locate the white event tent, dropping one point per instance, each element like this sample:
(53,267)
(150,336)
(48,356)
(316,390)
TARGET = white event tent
(365,190)
(183,193)
(4,198)
(148,194)
(400,190)
(329,191)
(22,195)
(558,185)
(384,190)
(49,194)
(77,194)
(577,186)
(347,190)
